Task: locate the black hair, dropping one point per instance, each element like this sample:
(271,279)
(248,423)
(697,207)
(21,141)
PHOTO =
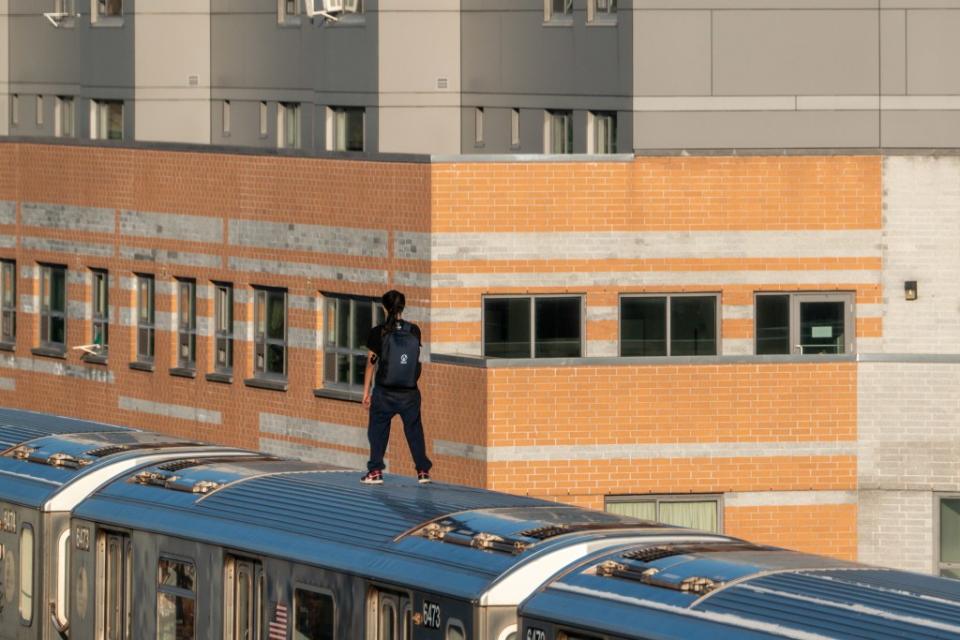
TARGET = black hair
(394,302)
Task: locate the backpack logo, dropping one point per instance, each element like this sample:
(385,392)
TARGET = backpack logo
(403,359)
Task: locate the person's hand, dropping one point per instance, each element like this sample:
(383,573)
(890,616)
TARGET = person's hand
(366,400)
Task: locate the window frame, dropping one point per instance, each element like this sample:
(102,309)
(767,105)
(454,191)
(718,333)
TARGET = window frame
(334,141)
(479,115)
(226,335)
(286,18)
(187,326)
(124,590)
(796,298)
(551,16)
(322,591)
(231,571)
(264,119)
(289,125)
(331,348)
(100,318)
(40,114)
(8,312)
(593,134)
(515,128)
(65,117)
(226,117)
(551,117)
(26,620)
(146,328)
(15,109)
(533,320)
(179,592)
(99,18)
(605,17)
(100,119)
(47,316)
(938,563)
(718,320)
(261,342)
(658,498)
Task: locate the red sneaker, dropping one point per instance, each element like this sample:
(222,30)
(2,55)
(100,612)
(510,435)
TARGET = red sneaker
(373,477)
(423,477)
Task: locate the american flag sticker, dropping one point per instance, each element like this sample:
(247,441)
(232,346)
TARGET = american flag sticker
(278,626)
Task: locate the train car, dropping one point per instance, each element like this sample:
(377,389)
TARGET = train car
(41,480)
(273,550)
(737,590)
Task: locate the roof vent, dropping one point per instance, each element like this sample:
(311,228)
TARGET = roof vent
(654,553)
(553,530)
(447,531)
(63,460)
(696,585)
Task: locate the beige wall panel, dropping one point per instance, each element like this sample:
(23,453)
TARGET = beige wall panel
(912,129)
(173,79)
(433,130)
(893,56)
(933,48)
(816,52)
(755,129)
(417,48)
(672,53)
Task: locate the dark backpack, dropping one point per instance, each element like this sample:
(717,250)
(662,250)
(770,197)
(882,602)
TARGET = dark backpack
(400,358)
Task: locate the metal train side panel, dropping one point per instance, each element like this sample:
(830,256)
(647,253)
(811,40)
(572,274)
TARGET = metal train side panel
(20,615)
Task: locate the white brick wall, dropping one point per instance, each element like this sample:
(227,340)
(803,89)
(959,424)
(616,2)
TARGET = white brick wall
(895,529)
(922,243)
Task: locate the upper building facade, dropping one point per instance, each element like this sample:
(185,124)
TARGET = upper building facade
(486,76)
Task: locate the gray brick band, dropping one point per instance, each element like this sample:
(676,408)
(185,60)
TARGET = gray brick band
(308,237)
(176,411)
(58,216)
(171,226)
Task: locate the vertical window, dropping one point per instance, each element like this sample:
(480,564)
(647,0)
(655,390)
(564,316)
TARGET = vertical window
(146,318)
(223,320)
(26,575)
(53,307)
(244,599)
(601,10)
(559,130)
(109,8)
(515,128)
(187,324)
(263,120)
(226,117)
(8,302)
(557,9)
(538,327)
(603,133)
(15,109)
(176,600)
(672,325)
(347,323)
(288,128)
(345,128)
(106,119)
(694,512)
(804,323)
(115,601)
(478,125)
(313,615)
(39,111)
(65,117)
(101,310)
(270,333)
(288,11)
(948,561)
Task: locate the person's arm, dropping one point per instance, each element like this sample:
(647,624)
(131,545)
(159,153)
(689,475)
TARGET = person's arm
(368,377)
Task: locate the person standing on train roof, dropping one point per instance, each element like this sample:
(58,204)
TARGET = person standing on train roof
(394,354)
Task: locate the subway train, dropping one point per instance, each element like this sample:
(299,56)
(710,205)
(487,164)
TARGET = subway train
(110,533)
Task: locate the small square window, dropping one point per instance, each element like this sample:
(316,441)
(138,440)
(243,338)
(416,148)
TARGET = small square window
(346,128)
(107,13)
(533,327)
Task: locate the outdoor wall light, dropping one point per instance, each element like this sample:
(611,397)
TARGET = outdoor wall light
(910,290)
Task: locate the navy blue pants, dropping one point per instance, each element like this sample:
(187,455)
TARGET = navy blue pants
(385,404)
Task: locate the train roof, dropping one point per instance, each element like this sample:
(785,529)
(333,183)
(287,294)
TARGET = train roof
(18,426)
(459,540)
(741,590)
(35,471)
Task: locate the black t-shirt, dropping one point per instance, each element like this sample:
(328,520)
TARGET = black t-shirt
(375,342)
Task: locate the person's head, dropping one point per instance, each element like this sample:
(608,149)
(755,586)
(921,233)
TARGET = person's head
(393,303)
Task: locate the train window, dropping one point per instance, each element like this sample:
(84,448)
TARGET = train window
(115,568)
(455,631)
(388,620)
(314,615)
(243,604)
(407,621)
(26,575)
(63,570)
(176,599)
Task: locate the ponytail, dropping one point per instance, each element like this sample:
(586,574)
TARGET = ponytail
(394,302)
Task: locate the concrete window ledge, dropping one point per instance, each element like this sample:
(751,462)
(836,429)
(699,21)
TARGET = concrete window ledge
(8,346)
(89,358)
(338,394)
(48,352)
(180,372)
(142,366)
(267,383)
(222,378)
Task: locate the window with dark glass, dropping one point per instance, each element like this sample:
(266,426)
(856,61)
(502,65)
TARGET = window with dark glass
(176,600)
(244,599)
(600,10)
(187,324)
(804,323)
(110,7)
(270,333)
(346,128)
(223,322)
(558,9)
(101,310)
(532,327)
(107,120)
(560,131)
(347,323)
(604,132)
(313,615)
(146,318)
(670,325)
(53,307)
(8,301)
(289,128)
(948,561)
